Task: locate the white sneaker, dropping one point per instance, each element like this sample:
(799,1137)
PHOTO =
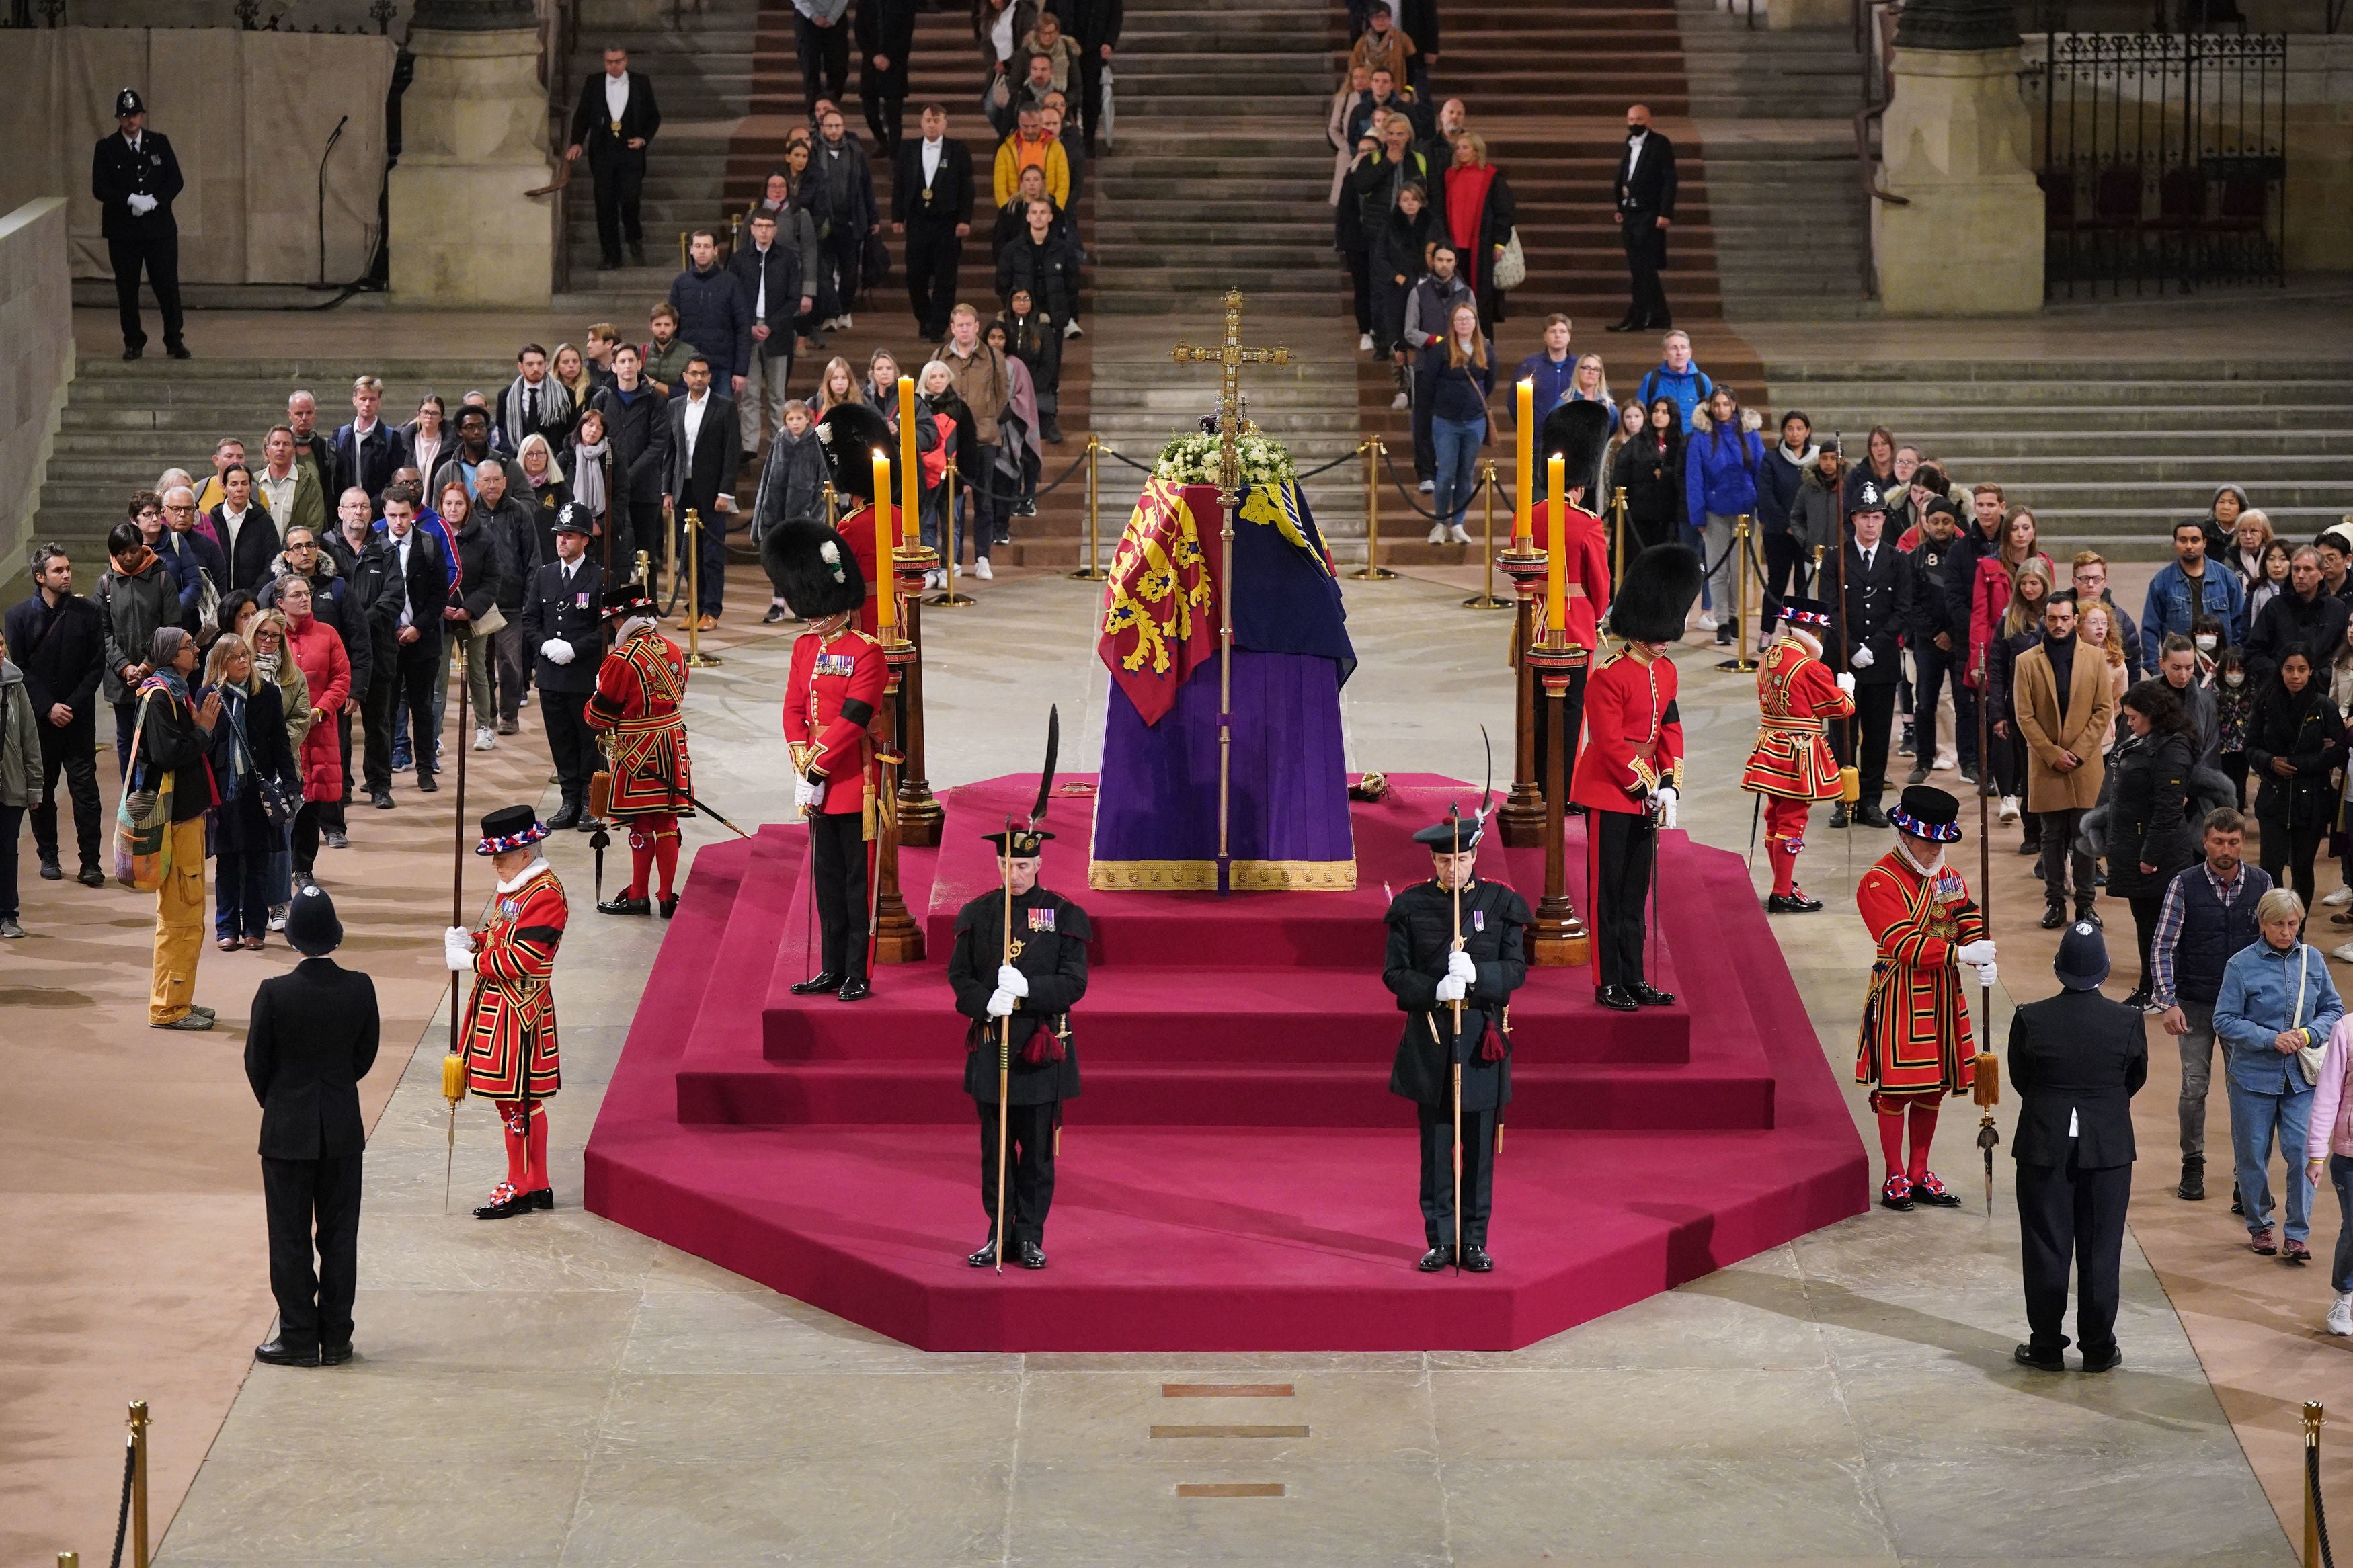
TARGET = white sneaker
(278,915)
(980,569)
(1458,534)
(1947,762)
(1436,535)
(485,740)
(1364,342)
(1072,330)
(2342,952)
(1707,620)
(936,580)
(2339,898)
(2340,1315)
(2009,808)
(846,321)
(1427,486)
(1400,401)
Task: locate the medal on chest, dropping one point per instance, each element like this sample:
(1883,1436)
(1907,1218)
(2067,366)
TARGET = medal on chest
(1946,894)
(1041,918)
(508,909)
(1478,919)
(841,664)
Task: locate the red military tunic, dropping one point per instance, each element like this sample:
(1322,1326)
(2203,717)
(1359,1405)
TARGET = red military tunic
(1916,1041)
(831,695)
(1634,739)
(639,688)
(1797,696)
(512,1009)
(1587,549)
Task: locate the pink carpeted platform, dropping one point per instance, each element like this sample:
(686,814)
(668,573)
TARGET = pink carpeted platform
(1236,1175)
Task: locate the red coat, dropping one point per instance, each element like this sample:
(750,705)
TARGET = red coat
(1634,739)
(1587,550)
(1796,698)
(639,688)
(318,651)
(1990,601)
(1915,1036)
(831,695)
(512,1004)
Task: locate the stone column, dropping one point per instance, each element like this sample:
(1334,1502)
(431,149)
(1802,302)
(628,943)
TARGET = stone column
(1957,146)
(473,140)
(2321,153)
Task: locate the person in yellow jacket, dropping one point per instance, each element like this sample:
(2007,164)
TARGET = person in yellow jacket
(1029,144)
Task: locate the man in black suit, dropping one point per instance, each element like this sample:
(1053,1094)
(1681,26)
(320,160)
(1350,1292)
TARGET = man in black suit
(417,590)
(1872,617)
(561,631)
(2075,1060)
(312,1039)
(885,31)
(614,122)
(703,457)
(59,639)
(931,204)
(134,175)
(366,452)
(1645,192)
(768,280)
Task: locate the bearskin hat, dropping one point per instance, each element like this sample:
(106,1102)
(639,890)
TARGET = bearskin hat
(847,435)
(1656,595)
(1579,432)
(815,569)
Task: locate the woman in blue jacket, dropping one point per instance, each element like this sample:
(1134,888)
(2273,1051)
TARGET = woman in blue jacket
(1457,373)
(2277,1002)
(1720,464)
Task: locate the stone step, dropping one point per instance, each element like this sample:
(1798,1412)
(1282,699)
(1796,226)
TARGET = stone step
(2002,423)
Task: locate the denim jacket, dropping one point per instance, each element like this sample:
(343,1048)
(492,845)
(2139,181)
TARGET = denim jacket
(2170,607)
(2257,999)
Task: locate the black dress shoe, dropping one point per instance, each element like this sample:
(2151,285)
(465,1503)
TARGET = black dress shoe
(178,351)
(1475,1259)
(567,816)
(424,781)
(2026,1355)
(622,904)
(1616,997)
(669,906)
(1792,904)
(381,799)
(986,1256)
(132,353)
(541,1198)
(278,1353)
(519,1203)
(92,877)
(1838,814)
(1028,1254)
(855,989)
(1868,814)
(823,980)
(1629,325)
(334,1355)
(1650,996)
(2104,1360)
(1436,1259)
(2053,917)
(2086,912)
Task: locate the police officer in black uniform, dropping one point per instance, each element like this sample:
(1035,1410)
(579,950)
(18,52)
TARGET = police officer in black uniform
(1034,994)
(1428,973)
(134,176)
(563,633)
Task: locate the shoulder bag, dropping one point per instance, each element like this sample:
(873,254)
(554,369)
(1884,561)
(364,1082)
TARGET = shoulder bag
(142,823)
(1511,264)
(2307,1058)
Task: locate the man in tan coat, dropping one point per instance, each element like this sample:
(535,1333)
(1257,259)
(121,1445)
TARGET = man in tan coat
(977,373)
(2065,704)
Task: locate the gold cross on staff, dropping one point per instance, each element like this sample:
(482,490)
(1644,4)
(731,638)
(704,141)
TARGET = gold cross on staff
(1230,358)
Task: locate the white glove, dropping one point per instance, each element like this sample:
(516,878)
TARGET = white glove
(1001,1003)
(555,650)
(1986,973)
(808,796)
(142,205)
(1451,988)
(1011,980)
(1863,658)
(1666,798)
(1846,681)
(1459,967)
(457,949)
(1977,952)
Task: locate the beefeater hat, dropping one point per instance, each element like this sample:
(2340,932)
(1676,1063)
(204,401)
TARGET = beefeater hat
(815,569)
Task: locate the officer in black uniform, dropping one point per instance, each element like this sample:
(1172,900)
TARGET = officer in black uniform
(1034,994)
(1432,963)
(134,176)
(563,634)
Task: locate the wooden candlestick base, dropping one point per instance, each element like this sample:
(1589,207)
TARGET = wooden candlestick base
(1557,939)
(920,815)
(1521,819)
(897,938)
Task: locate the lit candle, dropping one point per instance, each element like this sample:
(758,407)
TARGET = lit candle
(910,503)
(1557,551)
(1523,523)
(886,594)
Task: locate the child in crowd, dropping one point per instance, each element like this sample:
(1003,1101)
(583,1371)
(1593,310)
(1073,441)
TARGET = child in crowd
(792,486)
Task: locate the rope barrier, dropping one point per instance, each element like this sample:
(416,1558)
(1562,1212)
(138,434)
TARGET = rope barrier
(2317,1553)
(122,1512)
(2319,1509)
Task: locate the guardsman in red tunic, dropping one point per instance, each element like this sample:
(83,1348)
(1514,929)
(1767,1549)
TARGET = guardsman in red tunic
(1916,1046)
(639,690)
(1791,765)
(1579,432)
(1629,766)
(508,1035)
(835,688)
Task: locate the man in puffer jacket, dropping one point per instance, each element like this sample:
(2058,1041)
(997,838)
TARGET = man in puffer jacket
(1779,478)
(1720,464)
(711,314)
(1678,378)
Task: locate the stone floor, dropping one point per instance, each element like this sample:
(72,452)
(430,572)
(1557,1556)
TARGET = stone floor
(559,1390)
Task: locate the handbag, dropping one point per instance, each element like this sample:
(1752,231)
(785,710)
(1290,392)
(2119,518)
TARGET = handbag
(2309,1058)
(143,823)
(1511,263)
(491,622)
(276,806)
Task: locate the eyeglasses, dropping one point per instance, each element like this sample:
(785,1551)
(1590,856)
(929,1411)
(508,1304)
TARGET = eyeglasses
(176,509)
(292,548)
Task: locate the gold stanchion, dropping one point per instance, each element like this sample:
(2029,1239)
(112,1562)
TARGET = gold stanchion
(1617,505)
(1740,663)
(139,1557)
(949,599)
(2313,1417)
(695,657)
(1093,572)
(69,1560)
(832,499)
(1487,599)
(1373,572)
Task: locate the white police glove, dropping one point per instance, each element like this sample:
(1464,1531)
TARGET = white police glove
(1459,965)
(457,949)
(1001,1003)
(1846,682)
(808,796)
(1009,979)
(1451,988)
(555,650)
(1666,797)
(142,205)
(1862,658)
(1977,952)
(1986,973)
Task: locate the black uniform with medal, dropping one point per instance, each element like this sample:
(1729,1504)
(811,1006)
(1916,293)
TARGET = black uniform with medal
(1050,949)
(1421,933)
(133,177)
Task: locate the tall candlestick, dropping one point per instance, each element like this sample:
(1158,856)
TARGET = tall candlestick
(911,504)
(1523,514)
(1557,558)
(886,592)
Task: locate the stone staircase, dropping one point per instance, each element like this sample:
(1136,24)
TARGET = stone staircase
(2108,454)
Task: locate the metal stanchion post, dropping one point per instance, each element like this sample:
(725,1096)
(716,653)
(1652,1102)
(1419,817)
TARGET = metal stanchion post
(695,657)
(1485,599)
(1740,663)
(1373,569)
(2313,1417)
(1619,505)
(138,1558)
(1093,570)
(949,598)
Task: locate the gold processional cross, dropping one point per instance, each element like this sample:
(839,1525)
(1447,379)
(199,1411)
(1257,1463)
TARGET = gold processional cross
(1230,358)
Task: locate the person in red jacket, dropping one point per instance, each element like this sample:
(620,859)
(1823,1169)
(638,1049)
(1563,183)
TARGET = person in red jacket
(1791,765)
(1578,432)
(835,688)
(639,690)
(318,648)
(1629,766)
